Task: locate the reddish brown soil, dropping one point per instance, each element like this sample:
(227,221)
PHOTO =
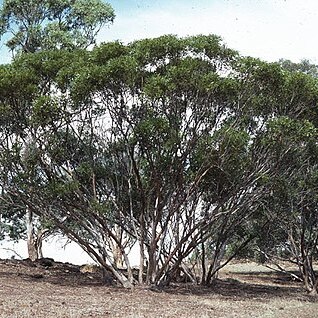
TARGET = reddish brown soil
(61,290)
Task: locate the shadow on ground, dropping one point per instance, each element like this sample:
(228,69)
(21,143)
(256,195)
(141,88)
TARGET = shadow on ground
(239,286)
(251,285)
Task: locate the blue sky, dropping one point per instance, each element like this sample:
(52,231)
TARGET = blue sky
(268,29)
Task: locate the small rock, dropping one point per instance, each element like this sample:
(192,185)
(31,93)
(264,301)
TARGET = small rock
(45,262)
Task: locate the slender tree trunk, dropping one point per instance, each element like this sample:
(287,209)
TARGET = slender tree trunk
(203,264)
(152,265)
(116,249)
(39,246)
(118,257)
(213,270)
(141,260)
(314,291)
(32,241)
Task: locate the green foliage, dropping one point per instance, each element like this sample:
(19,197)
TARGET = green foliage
(155,52)
(106,51)
(45,110)
(305,66)
(53,24)
(175,142)
(290,138)
(12,223)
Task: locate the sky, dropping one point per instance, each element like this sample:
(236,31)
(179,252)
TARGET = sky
(267,29)
(57,247)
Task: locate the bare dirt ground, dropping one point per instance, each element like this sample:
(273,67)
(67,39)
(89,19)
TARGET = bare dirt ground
(61,290)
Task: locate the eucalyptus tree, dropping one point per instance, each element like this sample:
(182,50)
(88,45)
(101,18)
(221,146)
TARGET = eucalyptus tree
(136,171)
(162,143)
(53,24)
(292,233)
(49,25)
(163,105)
(305,66)
(188,122)
(46,143)
(289,112)
(30,107)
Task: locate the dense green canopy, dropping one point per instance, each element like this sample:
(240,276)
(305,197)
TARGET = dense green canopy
(36,25)
(179,146)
